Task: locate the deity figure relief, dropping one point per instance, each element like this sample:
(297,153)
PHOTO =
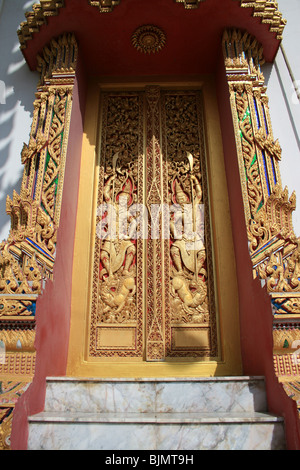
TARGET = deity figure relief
(118,253)
(188,253)
(118,250)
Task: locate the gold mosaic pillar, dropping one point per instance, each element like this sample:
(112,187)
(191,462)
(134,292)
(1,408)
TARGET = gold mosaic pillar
(27,256)
(273,246)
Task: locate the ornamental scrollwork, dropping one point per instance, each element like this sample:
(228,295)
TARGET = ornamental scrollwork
(273,246)
(189,277)
(118,253)
(27,256)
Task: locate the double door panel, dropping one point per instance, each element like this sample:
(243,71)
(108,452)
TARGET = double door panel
(152,291)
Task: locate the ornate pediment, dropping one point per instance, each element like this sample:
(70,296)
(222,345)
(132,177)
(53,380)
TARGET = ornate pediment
(267,10)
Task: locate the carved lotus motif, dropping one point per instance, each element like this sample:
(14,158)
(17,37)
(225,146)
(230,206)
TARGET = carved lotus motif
(148,39)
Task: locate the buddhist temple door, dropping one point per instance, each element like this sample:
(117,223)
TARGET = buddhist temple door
(152,288)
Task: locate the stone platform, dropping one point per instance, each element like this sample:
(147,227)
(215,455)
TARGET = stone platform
(156,414)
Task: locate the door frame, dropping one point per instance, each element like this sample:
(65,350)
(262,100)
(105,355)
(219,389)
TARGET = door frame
(80,364)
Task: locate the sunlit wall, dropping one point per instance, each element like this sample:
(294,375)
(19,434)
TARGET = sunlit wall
(283,80)
(17,88)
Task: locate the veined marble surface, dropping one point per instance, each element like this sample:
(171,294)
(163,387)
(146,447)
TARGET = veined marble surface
(156,414)
(173,396)
(148,436)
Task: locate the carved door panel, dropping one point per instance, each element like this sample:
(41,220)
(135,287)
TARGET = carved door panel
(152,286)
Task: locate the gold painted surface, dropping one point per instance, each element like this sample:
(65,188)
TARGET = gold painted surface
(116,338)
(191,337)
(80,362)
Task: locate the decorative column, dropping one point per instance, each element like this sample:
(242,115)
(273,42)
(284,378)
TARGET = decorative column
(27,257)
(156,284)
(273,246)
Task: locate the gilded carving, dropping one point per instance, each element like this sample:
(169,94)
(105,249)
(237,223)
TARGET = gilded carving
(18,364)
(117,270)
(266,10)
(27,256)
(188,255)
(18,340)
(6,415)
(37,17)
(273,246)
(145,278)
(105,6)
(268,211)
(21,306)
(190,4)
(156,272)
(285,339)
(10,391)
(148,39)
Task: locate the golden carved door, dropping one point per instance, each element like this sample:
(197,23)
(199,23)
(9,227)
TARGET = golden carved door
(152,283)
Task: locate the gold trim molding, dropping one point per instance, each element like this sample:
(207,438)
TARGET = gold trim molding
(268,12)
(36,18)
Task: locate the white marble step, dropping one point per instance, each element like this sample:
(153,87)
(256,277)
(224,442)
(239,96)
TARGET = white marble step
(152,431)
(156,414)
(217,394)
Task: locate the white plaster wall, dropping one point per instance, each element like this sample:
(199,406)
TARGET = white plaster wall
(284,104)
(17,88)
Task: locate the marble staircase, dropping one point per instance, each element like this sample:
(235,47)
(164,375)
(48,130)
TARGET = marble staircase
(156,414)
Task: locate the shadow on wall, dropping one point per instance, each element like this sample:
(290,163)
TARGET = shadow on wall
(17,88)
